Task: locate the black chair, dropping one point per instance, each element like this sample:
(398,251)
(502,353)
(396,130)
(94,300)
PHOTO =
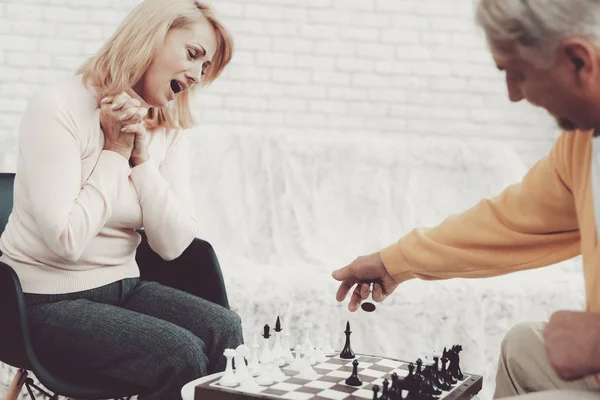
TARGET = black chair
(196,271)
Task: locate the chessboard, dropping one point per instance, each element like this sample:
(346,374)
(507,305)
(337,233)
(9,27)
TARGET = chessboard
(329,382)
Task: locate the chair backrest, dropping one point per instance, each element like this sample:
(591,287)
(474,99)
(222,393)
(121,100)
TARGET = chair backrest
(7,180)
(13,349)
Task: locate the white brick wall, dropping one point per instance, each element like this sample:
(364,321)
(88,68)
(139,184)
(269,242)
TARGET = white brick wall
(378,67)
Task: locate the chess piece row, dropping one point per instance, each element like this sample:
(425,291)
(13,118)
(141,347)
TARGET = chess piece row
(264,366)
(425,383)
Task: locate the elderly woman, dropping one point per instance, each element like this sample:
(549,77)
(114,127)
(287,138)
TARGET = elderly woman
(102,154)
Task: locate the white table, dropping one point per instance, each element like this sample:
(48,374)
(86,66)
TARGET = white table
(187,392)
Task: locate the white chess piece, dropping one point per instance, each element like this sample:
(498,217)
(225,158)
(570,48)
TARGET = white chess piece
(287,353)
(254,366)
(307,372)
(228,377)
(241,370)
(277,351)
(307,346)
(276,374)
(297,364)
(328,350)
(265,353)
(264,379)
(319,355)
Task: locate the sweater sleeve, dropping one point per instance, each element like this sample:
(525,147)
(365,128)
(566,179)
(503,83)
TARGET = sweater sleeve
(531,224)
(165,196)
(68,213)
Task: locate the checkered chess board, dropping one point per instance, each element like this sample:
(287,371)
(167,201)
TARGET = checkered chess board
(330,383)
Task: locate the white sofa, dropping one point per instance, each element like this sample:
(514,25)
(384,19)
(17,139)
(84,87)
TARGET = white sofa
(283,210)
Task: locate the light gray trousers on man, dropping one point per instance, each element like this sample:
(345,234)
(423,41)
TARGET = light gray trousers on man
(525,373)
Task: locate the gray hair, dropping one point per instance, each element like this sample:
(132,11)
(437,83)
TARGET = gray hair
(538,26)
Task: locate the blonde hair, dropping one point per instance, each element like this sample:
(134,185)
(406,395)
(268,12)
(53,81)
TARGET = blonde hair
(124,58)
(537,27)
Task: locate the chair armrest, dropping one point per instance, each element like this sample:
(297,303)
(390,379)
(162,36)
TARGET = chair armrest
(196,270)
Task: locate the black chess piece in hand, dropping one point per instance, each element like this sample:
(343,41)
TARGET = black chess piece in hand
(354,380)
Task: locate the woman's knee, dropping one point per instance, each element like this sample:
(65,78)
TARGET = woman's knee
(186,354)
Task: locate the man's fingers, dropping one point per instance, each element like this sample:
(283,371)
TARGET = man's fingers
(355,300)
(343,290)
(364,290)
(378,294)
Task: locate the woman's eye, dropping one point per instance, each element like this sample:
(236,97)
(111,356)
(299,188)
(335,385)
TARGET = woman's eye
(191,54)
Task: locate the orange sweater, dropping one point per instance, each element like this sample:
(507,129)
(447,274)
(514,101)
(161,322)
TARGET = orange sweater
(547,218)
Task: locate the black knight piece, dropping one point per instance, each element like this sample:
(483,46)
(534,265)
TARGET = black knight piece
(347,352)
(454,357)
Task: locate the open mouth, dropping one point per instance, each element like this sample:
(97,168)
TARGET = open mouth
(176,86)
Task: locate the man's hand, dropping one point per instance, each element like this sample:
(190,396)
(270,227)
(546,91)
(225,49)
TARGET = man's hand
(361,272)
(572,341)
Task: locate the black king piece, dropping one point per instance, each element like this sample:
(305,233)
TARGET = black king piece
(347,352)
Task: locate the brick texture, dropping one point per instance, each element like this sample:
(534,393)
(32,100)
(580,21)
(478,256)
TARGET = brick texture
(376,67)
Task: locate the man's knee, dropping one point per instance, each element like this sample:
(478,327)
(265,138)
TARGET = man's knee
(523,342)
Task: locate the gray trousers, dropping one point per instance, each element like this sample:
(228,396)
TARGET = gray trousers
(133,332)
(525,373)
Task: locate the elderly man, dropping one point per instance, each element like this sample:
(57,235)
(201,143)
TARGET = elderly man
(549,52)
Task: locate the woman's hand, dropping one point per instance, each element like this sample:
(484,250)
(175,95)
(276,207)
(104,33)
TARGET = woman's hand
(116,113)
(140,154)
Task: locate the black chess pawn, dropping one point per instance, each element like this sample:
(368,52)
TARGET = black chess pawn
(347,352)
(354,380)
(419,363)
(375,391)
(395,391)
(410,380)
(384,392)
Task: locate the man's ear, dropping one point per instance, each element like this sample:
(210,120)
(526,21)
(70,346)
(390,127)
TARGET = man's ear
(580,58)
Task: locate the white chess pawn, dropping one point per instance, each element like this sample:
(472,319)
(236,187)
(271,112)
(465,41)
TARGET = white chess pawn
(297,364)
(228,377)
(264,379)
(241,370)
(287,353)
(319,355)
(307,372)
(327,349)
(265,354)
(254,366)
(276,374)
(307,346)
